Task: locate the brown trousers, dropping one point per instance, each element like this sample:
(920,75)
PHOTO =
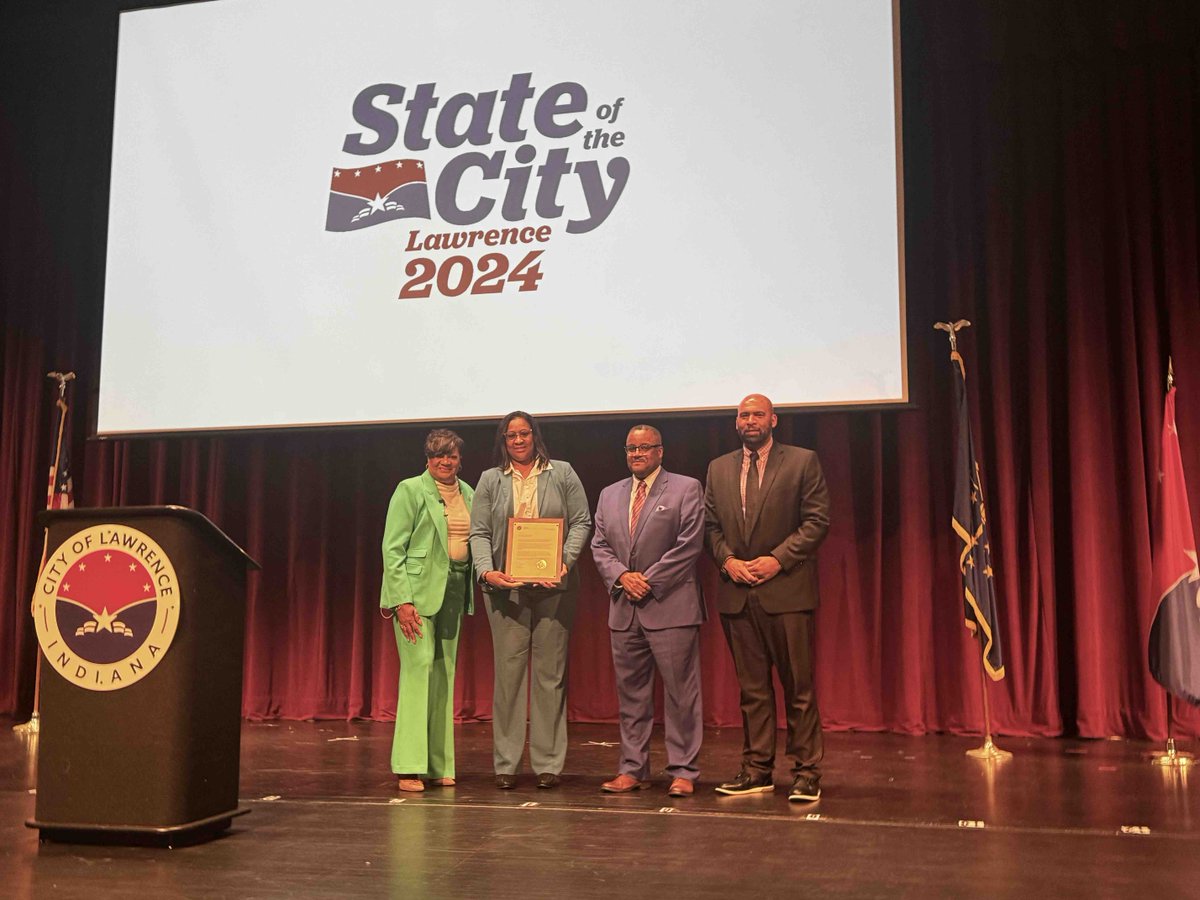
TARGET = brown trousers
(759,641)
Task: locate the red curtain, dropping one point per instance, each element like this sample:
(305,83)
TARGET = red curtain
(1050,156)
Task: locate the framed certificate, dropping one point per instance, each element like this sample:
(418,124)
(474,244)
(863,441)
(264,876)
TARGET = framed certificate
(534,549)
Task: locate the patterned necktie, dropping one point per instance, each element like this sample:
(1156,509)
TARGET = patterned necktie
(639,499)
(751,488)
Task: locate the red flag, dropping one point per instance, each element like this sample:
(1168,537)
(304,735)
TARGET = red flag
(1175,633)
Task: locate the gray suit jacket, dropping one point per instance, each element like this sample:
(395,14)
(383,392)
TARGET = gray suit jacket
(669,538)
(560,495)
(792,521)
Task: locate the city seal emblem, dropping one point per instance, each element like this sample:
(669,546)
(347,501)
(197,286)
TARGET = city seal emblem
(106,607)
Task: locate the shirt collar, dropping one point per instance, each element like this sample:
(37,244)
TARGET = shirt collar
(762,451)
(649,479)
(537,469)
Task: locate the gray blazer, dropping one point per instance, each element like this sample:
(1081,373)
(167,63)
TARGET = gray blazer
(560,495)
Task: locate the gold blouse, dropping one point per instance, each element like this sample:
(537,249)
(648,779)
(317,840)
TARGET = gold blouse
(458,520)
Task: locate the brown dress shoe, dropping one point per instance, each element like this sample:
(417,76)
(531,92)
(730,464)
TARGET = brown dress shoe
(681,787)
(410,784)
(443,782)
(623,784)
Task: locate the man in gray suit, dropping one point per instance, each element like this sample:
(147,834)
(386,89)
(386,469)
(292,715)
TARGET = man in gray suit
(766,511)
(649,534)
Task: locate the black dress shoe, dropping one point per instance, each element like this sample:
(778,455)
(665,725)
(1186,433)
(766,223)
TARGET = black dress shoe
(548,780)
(747,783)
(805,789)
(506,782)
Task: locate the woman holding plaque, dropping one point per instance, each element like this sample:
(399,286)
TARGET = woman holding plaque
(530,617)
(427,586)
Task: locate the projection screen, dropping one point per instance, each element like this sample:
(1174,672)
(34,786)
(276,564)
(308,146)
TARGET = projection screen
(364,211)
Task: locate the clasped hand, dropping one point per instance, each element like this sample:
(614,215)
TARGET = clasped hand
(752,571)
(635,585)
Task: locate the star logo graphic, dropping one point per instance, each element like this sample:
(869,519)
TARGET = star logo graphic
(104,620)
(103,613)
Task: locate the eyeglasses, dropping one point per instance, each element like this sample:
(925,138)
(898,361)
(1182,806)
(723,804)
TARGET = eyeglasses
(641,448)
(513,435)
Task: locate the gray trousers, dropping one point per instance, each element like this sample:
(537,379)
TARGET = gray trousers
(530,630)
(675,652)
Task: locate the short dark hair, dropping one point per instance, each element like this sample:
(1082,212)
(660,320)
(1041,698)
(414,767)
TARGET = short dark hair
(657,434)
(442,441)
(540,453)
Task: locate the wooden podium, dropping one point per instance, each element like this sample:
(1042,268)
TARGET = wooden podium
(140,614)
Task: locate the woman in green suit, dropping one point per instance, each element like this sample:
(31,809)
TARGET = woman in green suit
(427,586)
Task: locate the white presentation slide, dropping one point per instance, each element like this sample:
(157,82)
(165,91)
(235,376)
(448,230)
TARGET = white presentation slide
(363,211)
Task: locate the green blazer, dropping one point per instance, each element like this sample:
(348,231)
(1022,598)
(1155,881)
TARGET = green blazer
(415,555)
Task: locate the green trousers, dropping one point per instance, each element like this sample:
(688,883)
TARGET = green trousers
(423,743)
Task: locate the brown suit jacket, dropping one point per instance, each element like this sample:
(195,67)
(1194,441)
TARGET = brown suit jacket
(792,521)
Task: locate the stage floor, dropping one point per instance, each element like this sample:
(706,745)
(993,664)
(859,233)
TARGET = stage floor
(899,817)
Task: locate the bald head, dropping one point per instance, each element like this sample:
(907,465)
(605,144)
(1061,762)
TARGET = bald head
(756,420)
(758,400)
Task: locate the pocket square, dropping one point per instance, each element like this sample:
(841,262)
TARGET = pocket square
(659,508)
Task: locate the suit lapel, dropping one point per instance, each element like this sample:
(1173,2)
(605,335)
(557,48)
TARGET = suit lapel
(506,497)
(774,461)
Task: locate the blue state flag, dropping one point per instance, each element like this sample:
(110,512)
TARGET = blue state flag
(970,527)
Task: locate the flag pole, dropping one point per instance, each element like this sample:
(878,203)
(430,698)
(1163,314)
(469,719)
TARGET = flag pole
(988,750)
(34,725)
(1172,759)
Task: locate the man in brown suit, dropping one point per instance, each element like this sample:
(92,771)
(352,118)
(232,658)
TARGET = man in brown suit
(766,511)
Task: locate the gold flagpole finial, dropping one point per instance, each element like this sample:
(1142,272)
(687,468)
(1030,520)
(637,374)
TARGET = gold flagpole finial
(1170,373)
(952,329)
(62,378)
